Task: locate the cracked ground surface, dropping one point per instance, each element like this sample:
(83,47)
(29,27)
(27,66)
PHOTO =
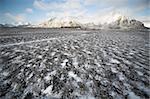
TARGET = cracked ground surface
(74,64)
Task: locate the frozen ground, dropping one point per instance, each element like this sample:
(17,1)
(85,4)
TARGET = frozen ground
(74,64)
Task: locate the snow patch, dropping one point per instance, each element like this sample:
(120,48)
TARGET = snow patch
(53,53)
(75,62)
(114,61)
(121,77)
(133,96)
(40,56)
(30,75)
(114,70)
(5,73)
(139,73)
(71,74)
(48,90)
(87,97)
(64,63)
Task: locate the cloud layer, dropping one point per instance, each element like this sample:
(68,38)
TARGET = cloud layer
(15,18)
(85,10)
(84,7)
(29,10)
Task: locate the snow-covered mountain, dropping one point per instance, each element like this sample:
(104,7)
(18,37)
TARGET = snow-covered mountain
(18,24)
(123,22)
(7,25)
(91,26)
(22,24)
(1,25)
(117,22)
(68,22)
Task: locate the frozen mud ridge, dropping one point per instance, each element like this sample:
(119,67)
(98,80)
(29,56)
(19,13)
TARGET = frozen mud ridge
(74,64)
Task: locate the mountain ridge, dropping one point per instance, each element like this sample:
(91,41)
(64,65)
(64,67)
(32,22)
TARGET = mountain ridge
(122,22)
(116,22)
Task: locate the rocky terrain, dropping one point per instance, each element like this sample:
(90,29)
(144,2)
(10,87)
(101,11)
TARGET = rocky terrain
(74,64)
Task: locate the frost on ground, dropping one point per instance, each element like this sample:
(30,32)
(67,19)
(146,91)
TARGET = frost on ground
(78,64)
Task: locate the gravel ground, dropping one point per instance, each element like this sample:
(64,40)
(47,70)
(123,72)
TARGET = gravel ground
(74,64)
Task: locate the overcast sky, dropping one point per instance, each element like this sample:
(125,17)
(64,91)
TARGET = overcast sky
(35,11)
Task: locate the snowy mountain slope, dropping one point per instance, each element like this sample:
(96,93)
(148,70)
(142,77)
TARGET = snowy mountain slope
(6,25)
(114,22)
(61,23)
(18,24)
(123,22)
(91,26)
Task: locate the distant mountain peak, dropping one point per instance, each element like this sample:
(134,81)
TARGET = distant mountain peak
(61,22)
(116,21)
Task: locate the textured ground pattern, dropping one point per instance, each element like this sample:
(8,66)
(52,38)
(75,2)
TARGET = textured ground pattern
(74,64)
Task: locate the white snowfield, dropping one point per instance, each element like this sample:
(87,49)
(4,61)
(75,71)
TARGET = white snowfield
(74,64)
(28,42)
